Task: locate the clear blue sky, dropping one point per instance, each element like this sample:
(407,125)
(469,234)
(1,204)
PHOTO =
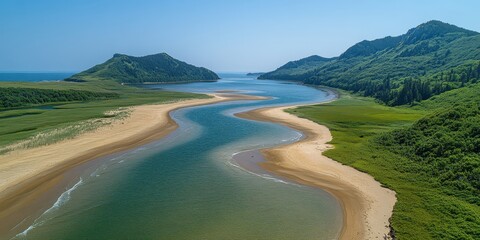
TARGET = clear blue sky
(72,35)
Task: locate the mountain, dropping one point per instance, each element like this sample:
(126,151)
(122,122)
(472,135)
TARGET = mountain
(427,150)
(433,29)
(429,59)
(293,69)
(159,68)
(366,48)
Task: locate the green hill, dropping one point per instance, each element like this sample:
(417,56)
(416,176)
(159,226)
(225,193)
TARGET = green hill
(366,48)
(428,154)
(296,69)
(87,96)
(430,59)
(426,150)
(158,68)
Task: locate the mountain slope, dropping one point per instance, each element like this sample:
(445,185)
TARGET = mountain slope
(382,68)
(428,154)
(366,48)
(153,68)
(293,69)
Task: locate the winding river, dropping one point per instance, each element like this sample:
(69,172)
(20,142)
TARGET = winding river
(187,185)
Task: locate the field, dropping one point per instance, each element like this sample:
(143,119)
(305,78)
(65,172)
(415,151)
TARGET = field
(53,121)
(425,209)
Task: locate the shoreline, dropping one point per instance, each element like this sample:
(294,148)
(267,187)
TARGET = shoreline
(29,175)
(367,206)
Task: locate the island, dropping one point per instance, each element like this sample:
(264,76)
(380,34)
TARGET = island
(157,68)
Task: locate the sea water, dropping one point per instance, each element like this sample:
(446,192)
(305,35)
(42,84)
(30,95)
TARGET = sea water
(186,186)
(33,76)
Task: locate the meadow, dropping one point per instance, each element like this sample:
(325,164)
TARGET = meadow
(52,121)
(426,208)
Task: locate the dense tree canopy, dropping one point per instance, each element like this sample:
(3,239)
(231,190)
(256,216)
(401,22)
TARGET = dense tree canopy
(21,97)
(447,143)
(430,59)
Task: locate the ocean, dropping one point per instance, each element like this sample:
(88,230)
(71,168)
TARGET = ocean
(33,76)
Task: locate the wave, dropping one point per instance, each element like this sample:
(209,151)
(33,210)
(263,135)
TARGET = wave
(264,175)
(138,150)
(45,215)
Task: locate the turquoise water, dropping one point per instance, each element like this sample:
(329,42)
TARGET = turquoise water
(186,186)
(33,76)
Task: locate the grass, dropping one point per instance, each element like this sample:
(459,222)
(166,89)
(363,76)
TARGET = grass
(353,120)
(72,118)
(66,131)
(424,210)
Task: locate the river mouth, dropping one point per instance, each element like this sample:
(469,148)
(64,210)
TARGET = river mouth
(185,185)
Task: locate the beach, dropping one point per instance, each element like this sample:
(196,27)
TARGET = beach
(31,177)
(27,175)
(367,206)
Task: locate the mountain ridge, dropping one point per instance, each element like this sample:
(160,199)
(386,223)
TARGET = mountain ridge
(158,68)
(299,67)
(385,68)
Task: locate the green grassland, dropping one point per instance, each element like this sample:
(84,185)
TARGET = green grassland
(81,101)
(429,205)
(72,116)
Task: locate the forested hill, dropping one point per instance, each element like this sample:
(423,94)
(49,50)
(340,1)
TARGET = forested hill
(153,68)
(446,142)
(429,59)
(295,69)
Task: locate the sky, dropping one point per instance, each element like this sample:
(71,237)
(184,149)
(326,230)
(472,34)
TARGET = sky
(224,36)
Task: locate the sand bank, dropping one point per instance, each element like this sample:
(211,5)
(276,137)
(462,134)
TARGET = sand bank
(26,175)
(367,206)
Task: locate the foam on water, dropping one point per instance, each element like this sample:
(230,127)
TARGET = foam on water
(44,217)
(264,175)
(201,150)
(139,150)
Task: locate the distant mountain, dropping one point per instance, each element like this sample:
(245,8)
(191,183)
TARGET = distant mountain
(293,69)
(158,68)
(429,59)
(255,73)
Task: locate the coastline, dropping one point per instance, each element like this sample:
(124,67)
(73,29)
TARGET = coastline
(367,206)
(28,175)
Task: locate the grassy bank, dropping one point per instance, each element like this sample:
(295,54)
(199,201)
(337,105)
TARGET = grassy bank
(425,209)
(39,125)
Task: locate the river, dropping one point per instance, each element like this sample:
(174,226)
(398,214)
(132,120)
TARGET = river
(187,186)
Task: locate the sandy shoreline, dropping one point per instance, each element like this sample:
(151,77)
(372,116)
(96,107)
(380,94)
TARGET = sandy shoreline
(26,175)
(366,205)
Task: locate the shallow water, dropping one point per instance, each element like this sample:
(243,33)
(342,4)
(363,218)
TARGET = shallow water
(186,186)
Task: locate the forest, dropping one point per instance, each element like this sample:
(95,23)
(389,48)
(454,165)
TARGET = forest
(413,90)
(447,144)
(428,60)
(412,122)
(427,153)
(11,97)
